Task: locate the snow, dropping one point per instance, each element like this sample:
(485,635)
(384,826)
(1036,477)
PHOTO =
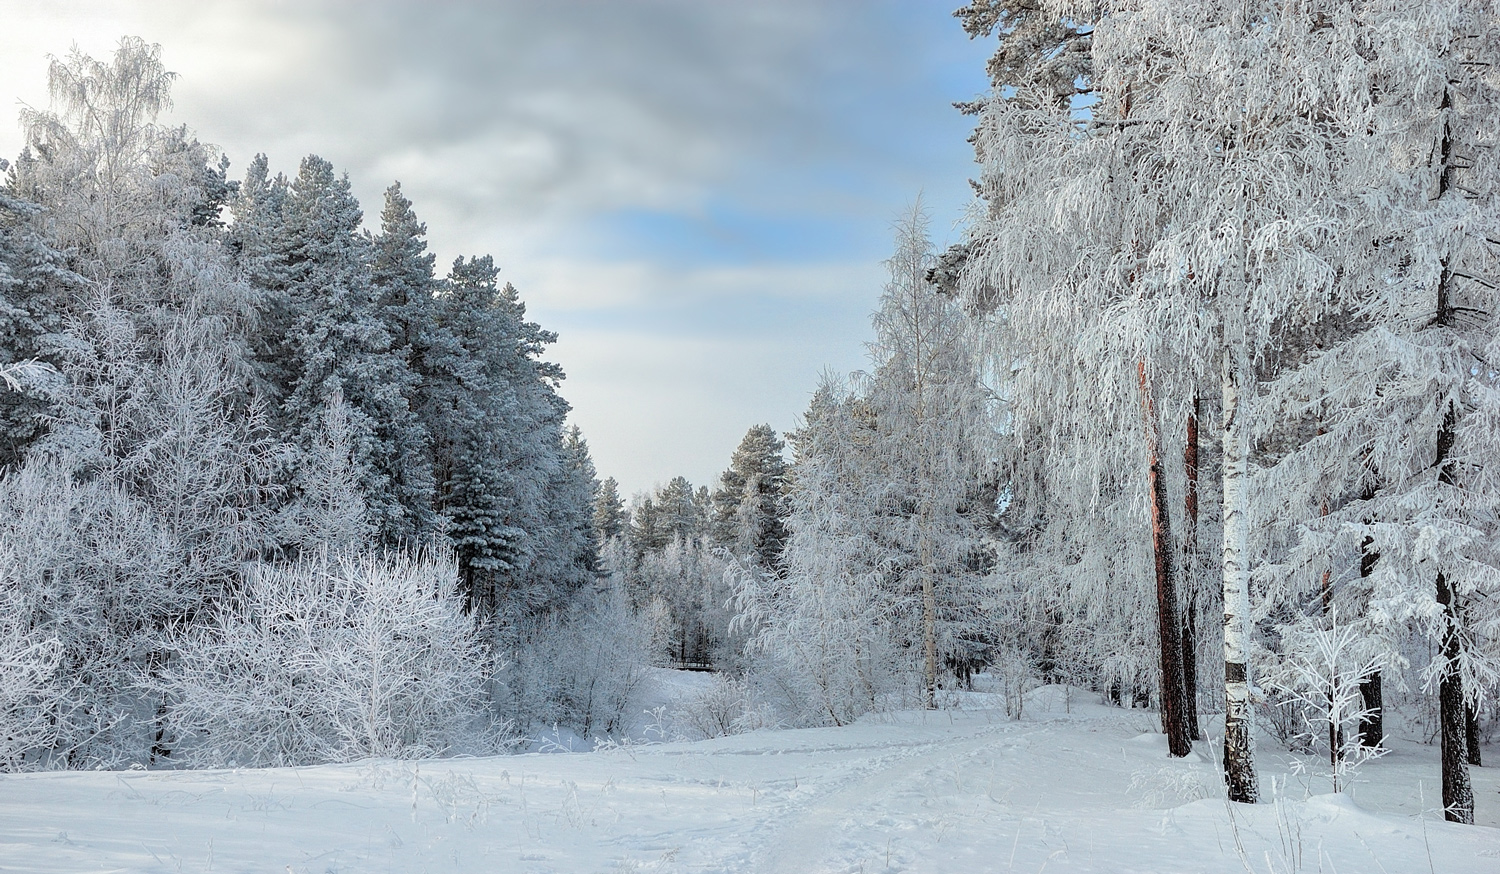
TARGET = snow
(1073,786)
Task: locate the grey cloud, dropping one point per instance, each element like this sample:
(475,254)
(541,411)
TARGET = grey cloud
(551,106)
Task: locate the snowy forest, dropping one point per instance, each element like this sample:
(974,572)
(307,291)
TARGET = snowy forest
(1199,416)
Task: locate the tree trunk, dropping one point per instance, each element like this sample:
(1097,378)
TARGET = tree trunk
(929,619)
(1169,628)
(1471,734)
(1335,730)
(1190,578)
(1372,724)
(1239,765)
(1458,794)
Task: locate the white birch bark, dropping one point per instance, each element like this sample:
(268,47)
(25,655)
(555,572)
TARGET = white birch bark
(1239,768)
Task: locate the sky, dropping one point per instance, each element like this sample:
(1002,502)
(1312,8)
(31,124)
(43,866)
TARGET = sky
(696,196)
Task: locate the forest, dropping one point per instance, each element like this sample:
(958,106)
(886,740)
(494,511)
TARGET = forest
(1199,416)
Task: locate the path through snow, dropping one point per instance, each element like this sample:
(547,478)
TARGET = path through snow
(1089,790)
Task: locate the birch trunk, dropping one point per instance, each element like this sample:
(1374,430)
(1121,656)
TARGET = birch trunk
(1239,766)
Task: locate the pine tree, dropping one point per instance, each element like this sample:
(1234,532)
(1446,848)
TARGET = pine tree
(337,341)
(1396,381)
(609,510)
(501,444)
(33,277)
(748,509)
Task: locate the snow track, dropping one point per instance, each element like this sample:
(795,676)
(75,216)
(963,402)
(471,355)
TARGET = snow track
(940,793)
(820,828)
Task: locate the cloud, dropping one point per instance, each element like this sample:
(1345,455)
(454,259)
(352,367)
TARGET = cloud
(672,185)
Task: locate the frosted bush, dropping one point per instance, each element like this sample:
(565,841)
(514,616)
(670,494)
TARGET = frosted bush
(332,659)
(581,668)
(31,690)
(726,707)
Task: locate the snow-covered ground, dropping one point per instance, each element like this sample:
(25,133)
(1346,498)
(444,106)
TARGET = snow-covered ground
(1073,786)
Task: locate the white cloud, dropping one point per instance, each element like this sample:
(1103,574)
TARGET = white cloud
(521,128)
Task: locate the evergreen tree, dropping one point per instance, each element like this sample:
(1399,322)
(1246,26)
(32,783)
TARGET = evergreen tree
(501,447)
(609,510)
(338,342)
(33,277)
(748,510)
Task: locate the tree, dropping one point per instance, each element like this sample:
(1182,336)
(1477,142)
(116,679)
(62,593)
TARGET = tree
(1399,382)
(495,406)
(337,341)
(930,413)
(891,502)
(825,634)
(747,505)
(33,277)
(609,510)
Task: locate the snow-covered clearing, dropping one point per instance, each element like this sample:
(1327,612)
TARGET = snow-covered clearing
(1073,786)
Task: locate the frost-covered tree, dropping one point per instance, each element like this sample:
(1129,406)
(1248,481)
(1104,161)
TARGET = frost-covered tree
(748,512)
(303,249)
(883,575)
(34,277)
(825,635)
(498,426)
(1198,265)
(1396,481)
(609,510)
(931,426)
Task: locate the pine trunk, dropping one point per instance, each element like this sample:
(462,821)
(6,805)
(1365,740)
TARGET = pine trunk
(1372,724)
(1471,734)
(1169,628)
(1458,794)
(1335,730)
(1190,578)
(1239,765)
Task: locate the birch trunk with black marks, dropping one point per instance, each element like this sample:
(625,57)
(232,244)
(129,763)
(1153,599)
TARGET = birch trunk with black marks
(1239,765)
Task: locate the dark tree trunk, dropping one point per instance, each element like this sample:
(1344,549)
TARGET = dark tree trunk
(1458,793)
(1335,730)
(1190,578)
(1372,724)
(1471,734)
(1169,628)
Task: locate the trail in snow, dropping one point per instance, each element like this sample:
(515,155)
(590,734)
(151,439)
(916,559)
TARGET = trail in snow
(1086,791)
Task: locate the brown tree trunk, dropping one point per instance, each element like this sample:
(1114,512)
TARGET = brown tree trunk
(1190,578)
(1169,628)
